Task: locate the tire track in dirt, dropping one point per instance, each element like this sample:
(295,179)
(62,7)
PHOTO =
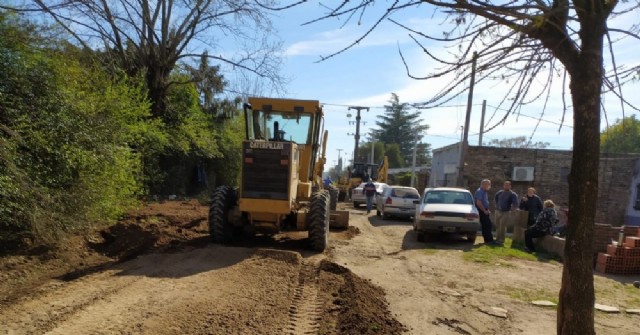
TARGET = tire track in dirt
(306,308)
(63,303)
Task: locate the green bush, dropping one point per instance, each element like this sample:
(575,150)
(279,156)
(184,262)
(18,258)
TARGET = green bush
(70,139)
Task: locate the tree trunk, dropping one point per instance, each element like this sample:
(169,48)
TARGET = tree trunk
(156,82)
(577,297)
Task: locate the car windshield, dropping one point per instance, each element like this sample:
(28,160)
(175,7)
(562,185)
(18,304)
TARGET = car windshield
(279,126)
(405,193)
(448,197)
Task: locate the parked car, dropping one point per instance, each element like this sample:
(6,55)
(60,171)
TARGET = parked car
(359,198)
(397,201)
(446,210)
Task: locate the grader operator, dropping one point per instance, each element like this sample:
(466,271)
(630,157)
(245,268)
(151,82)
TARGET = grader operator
(281,187)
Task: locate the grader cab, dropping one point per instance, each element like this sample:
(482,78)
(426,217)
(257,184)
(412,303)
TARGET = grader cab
(281,187)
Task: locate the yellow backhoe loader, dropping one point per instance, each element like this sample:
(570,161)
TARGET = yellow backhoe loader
(359,173)
(281,186)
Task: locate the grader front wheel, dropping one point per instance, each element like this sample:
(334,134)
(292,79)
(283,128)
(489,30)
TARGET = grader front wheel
(333,193)
(318,220)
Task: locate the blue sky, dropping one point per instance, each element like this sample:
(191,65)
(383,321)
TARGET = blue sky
(367,74)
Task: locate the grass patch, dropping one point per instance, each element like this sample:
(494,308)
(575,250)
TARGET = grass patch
(494,254)
(611,291)
(532,295)
(430,251)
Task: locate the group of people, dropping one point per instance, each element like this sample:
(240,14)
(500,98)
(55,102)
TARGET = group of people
(542,216)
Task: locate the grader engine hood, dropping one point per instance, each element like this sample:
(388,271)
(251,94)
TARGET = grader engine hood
(267,170)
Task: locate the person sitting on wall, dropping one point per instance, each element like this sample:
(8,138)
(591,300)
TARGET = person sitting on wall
(547,219)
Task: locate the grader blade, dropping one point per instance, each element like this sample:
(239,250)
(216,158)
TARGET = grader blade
(339,219)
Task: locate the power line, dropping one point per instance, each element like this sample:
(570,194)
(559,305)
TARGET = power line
(533,117)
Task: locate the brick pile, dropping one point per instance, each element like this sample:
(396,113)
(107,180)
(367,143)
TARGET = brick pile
(622,259)
(603,234)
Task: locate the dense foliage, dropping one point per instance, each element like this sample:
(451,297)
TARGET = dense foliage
(78,143)
(517,142)
(622,137)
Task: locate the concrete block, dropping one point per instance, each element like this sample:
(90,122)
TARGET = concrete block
(518,234)
(552,244)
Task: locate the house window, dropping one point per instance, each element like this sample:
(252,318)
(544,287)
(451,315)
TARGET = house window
(564,174)
(637,202)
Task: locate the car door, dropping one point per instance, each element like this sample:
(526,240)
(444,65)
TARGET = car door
(380,199)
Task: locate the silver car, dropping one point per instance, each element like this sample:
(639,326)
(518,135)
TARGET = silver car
(360,198)
(397,201)
(448,210)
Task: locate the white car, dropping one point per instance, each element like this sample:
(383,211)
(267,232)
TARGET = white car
(446,210)
(360,198)
(397,201)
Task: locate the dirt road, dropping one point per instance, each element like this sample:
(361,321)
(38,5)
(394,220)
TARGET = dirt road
(432,290)
(155,273)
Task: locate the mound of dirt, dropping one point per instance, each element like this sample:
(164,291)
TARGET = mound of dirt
(356,307)
(167,226)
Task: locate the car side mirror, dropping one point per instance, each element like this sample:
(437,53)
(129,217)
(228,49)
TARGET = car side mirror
(416,202)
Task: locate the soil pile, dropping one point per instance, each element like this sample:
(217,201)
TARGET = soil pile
(356,307)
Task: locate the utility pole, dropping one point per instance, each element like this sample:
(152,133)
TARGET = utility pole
(465,137)
(372,152)
(339,160)
(413,164)
(484,109)
(357,136)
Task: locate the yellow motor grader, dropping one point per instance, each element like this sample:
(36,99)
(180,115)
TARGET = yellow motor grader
(281,186)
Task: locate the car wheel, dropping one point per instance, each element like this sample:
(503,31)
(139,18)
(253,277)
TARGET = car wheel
(356,205)
(471,238)
(378,212)
(385,216)
(421,236)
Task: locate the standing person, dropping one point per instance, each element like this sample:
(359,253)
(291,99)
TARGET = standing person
(532,204)
(482,204)
(327,181)
(544,222)
(506,201)
(369,190)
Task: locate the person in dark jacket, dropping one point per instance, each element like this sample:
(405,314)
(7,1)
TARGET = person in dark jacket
(544,222)
(532,204)
(369,190)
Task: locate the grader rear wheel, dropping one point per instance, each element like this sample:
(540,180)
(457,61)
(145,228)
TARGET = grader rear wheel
(318,220)
(222,202)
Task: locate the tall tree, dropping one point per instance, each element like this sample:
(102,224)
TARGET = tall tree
(364,152)
(529,44)
(399,125)
(517,142)
(622,137)
(151,37)
(392,151)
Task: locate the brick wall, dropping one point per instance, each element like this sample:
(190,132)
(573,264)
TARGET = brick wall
(551,166)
